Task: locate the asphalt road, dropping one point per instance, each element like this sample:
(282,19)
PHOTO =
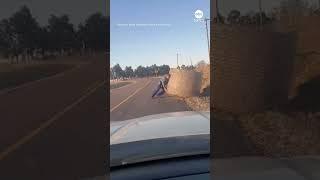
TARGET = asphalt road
(134,100)
(56,128)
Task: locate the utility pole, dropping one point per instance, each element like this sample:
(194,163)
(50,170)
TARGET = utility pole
(260,12)
(217,9)
(177,60)
(208,41)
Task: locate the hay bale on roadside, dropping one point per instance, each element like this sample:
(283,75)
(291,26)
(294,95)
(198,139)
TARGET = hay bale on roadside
(205,82)
(184,83)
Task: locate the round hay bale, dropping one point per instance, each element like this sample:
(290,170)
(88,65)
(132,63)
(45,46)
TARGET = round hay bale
(184,83)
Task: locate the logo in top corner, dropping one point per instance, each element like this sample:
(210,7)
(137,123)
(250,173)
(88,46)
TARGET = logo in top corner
(198,14)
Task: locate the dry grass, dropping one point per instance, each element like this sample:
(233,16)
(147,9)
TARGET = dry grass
(12,75)
(198,103)
(281,135)
(295,132)
(205,82)
(201,103)
(119,84)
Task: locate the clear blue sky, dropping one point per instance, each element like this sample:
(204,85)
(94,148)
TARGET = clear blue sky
(147,45)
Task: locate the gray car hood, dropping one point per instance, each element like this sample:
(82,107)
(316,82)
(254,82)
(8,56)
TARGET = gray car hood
(160,126)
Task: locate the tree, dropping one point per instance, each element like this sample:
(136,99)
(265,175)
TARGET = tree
(164,69)
(233,17)
(219,19)
(246,19)
(111,73)
(21,34)
(154,69)
(128,72)
(43,41)
(265,19)
(61,33)
(23,28)
(93,33)
(6,37)
(140,71)
(118,71)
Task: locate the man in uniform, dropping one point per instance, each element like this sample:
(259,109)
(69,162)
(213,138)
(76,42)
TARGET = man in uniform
(162,86)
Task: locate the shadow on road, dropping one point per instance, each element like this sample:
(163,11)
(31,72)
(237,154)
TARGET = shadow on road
(230,141)
(308,98)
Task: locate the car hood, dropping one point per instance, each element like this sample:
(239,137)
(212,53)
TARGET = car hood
(160,126)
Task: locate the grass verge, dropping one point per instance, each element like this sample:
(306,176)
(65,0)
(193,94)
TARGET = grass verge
(120,84)
(198,103)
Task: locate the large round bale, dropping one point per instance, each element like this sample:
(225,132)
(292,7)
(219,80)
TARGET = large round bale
(184,83)
(251,69)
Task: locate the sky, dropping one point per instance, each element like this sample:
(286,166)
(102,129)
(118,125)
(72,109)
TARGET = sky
(162,28)
(78,10)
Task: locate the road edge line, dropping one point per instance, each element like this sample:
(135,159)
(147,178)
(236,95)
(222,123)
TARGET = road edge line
(132,82)
(8,90)
(125,100)
(46,124)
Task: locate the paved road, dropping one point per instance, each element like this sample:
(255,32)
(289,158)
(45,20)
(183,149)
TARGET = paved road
(134,100)
(55,129)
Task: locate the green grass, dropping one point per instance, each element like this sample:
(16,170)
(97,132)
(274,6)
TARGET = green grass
(19,76)
(117,85)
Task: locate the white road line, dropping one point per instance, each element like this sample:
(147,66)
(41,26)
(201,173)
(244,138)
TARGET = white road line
(115,107)
(7,90)
(46,124)
(132,82)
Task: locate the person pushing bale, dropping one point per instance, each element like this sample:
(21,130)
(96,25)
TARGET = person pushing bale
(162,86)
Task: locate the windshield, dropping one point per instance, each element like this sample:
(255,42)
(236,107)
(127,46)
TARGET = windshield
(176,79)
(159,82)
(159,73)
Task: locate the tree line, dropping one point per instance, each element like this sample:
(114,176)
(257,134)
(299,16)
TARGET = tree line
(117,72)
(286,8)
(23,38)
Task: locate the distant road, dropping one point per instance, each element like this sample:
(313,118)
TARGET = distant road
(55,128)
(134,100)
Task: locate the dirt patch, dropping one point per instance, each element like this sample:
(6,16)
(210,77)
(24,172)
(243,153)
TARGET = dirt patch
(202,102)
(198,103)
